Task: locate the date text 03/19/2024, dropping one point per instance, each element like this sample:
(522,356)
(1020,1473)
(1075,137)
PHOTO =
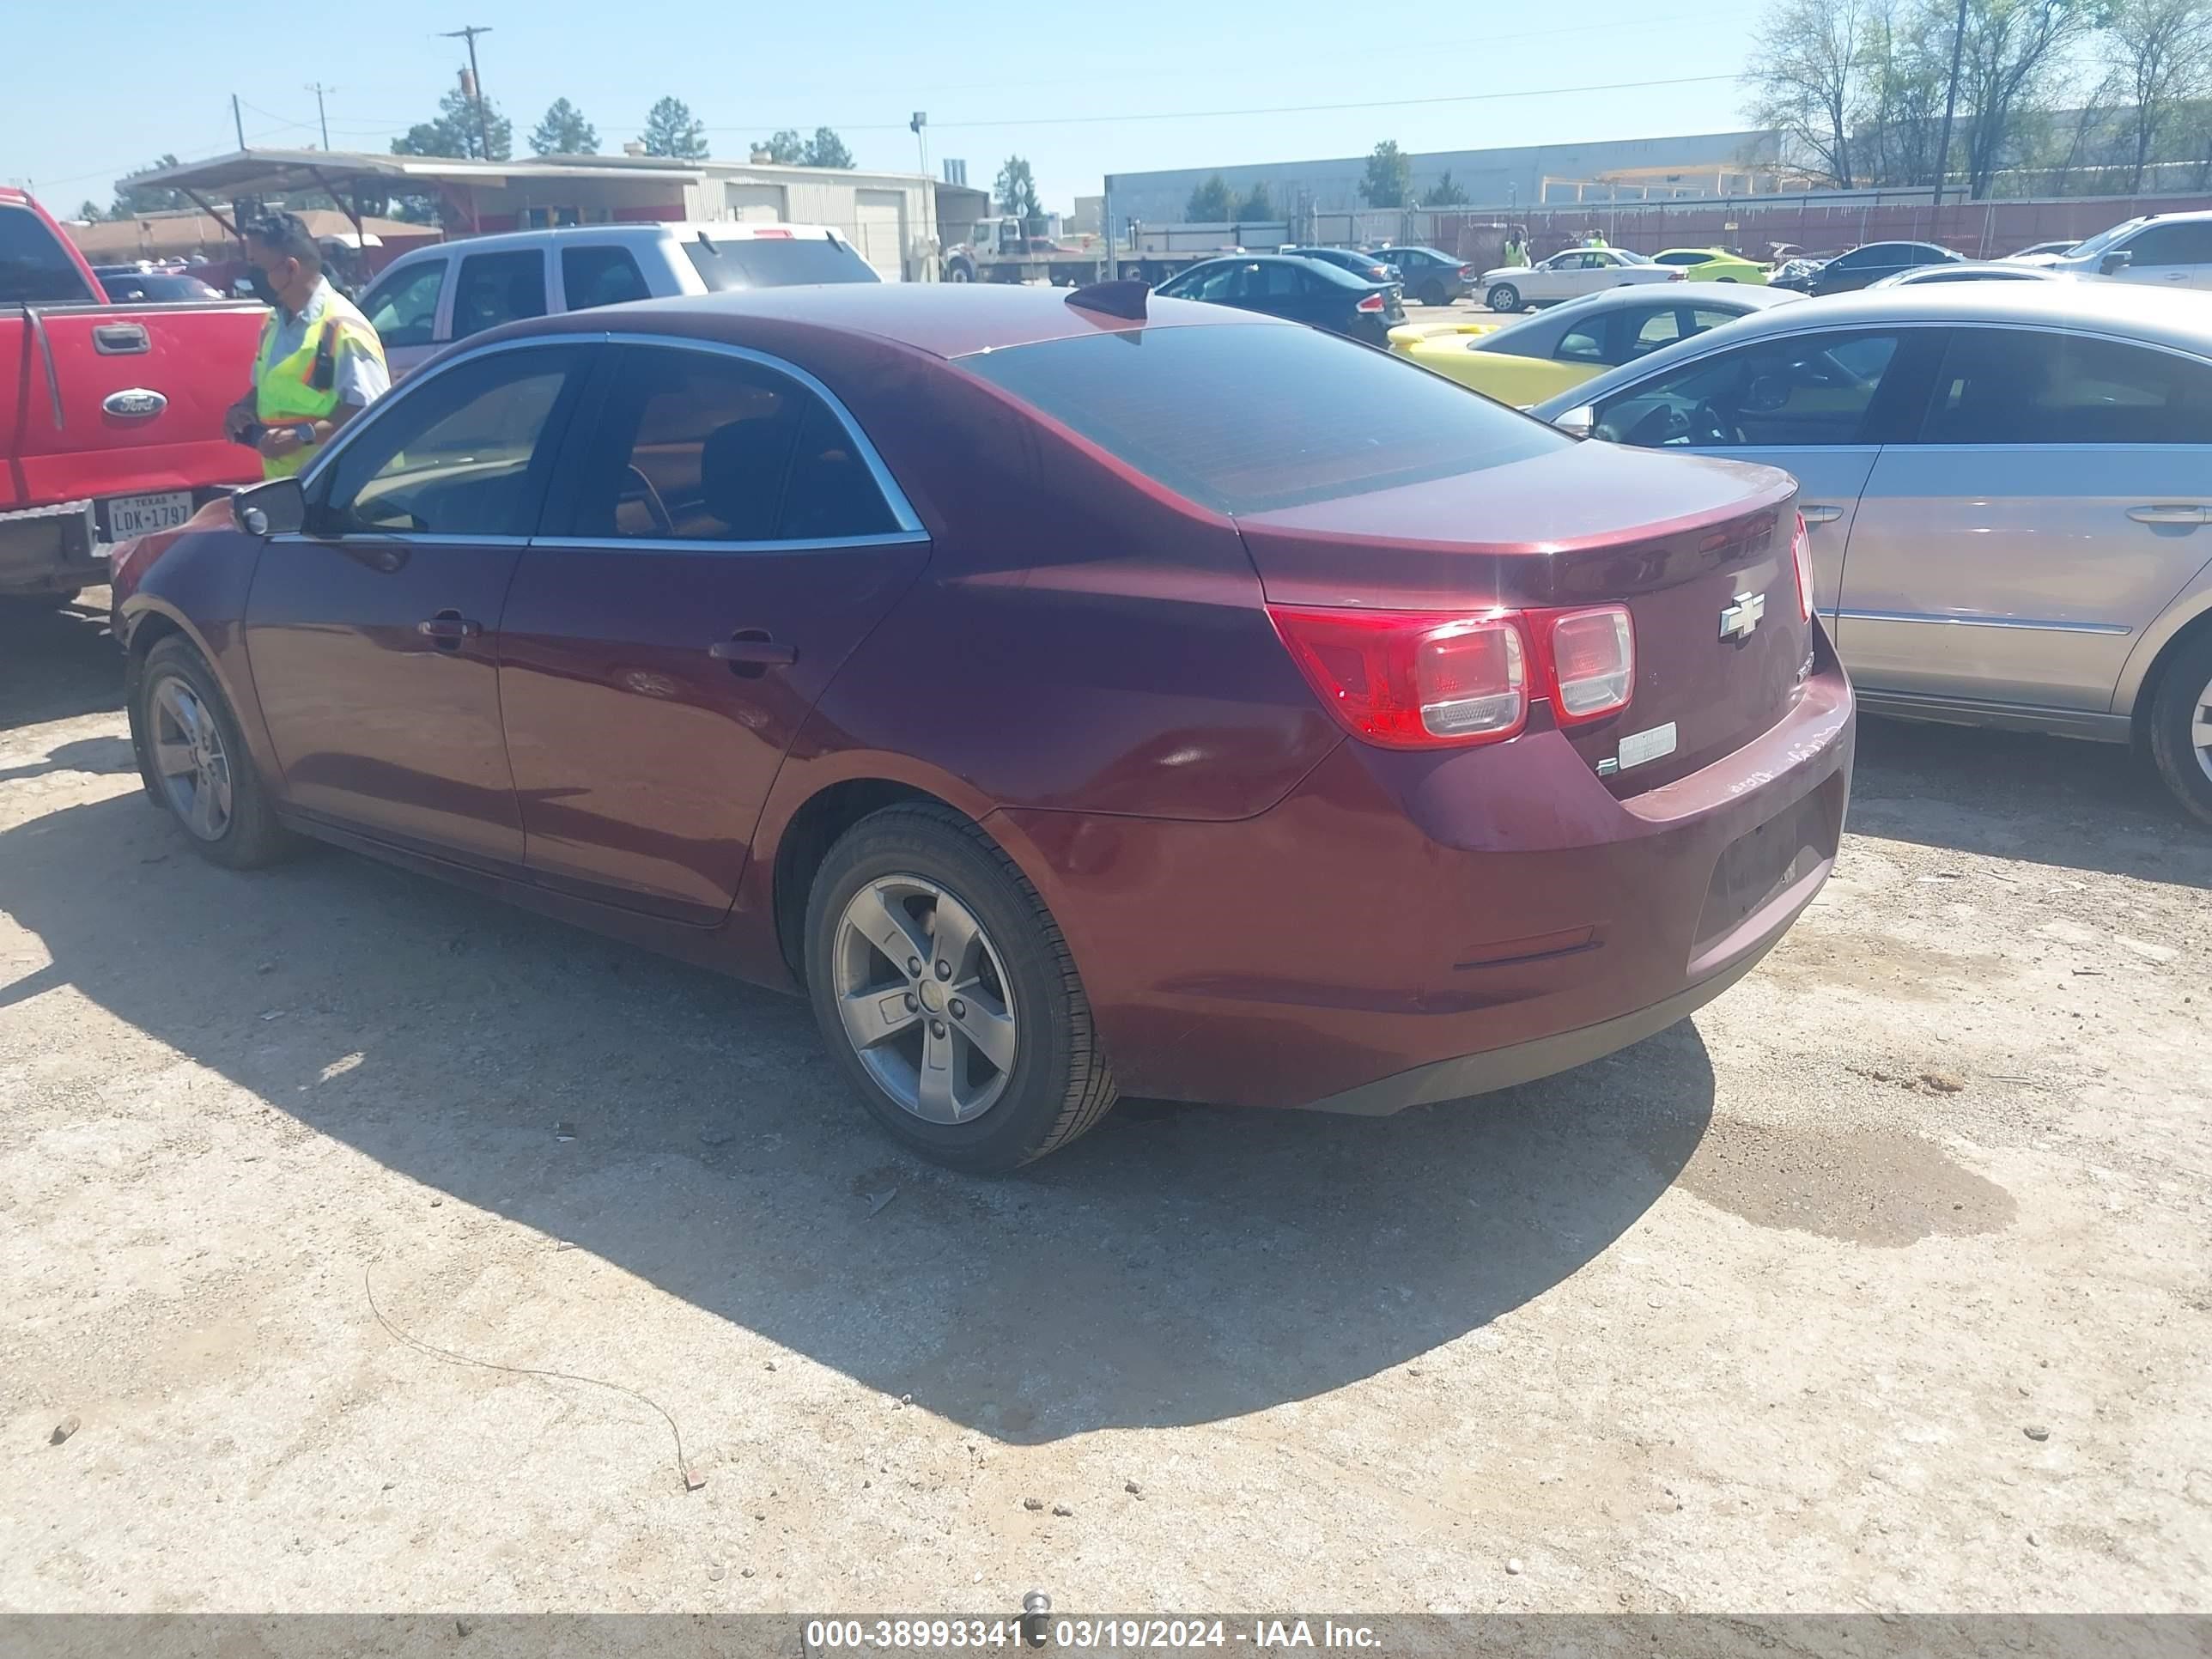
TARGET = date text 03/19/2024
(1078,1635)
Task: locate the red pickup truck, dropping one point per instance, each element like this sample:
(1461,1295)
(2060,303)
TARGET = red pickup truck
(110,416)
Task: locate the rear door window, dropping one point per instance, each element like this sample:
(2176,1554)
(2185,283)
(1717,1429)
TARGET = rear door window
(403,308)
(2015,385)
(1800,390)
(1247,418)
(698,446)
(2184,244)
(498,287)
(34,268)
(593,277)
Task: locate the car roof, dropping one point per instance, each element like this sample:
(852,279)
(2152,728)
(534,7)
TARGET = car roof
(2154,316)
(943,320)
(627,235)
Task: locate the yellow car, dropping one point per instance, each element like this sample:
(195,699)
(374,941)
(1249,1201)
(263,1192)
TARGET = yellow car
(1529,359)
(1712,265)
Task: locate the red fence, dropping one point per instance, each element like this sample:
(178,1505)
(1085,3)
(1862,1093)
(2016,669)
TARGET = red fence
(1754,225)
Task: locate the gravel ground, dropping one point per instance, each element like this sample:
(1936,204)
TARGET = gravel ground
(1881,1285)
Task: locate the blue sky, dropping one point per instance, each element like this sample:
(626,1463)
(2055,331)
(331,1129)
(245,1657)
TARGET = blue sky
(1081,90)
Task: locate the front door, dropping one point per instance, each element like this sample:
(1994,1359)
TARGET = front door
(403,308)
(1813,404)
(374,636)
(2176,255)
(2045,511)
(720,540)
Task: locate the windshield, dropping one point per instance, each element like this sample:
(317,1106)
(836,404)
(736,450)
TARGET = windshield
(2103,240)
(1249,418)
(775,262)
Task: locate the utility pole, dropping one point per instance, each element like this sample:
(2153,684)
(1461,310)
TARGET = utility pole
(468,33)
(322,115)
(1950,104)
(237,121)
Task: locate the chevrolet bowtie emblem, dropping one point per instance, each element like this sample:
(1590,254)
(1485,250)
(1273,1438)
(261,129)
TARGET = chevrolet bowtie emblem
(1742,615)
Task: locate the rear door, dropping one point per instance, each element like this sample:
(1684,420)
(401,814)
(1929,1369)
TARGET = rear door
(2056,496)
(2176,255)
(1814,403)
(723,537)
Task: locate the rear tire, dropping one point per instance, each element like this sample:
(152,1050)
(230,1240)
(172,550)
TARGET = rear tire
(891,1024)
(1436,294)
(2181,727)
(1504,297)
(199,763)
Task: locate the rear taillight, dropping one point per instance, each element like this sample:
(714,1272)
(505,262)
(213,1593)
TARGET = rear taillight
(1373,302)
(1592,659)
(1413,680)
(1467,270)
(1801,554)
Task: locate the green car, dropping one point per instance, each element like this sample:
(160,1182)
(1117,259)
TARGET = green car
(1713,264)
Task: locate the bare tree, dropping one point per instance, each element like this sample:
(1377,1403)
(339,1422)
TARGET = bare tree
(1907,56)
(1807,77)
(2159,53)
(2013,49)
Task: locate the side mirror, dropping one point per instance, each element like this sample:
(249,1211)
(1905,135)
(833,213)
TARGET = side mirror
(2115,262)
(1578,422)
(277,508)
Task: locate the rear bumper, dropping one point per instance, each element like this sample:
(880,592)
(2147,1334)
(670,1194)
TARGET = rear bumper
(1413,927)
(51,549)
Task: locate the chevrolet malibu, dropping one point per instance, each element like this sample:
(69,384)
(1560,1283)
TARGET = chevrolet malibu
(1069,696)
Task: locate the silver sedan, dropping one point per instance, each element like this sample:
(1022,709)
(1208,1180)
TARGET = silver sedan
(2009,490)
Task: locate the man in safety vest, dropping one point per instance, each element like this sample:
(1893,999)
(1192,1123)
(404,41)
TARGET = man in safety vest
(1596,238)
(319,364)
(1516,247)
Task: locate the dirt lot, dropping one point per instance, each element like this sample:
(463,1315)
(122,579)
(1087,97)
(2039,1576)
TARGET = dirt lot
(1881,1285)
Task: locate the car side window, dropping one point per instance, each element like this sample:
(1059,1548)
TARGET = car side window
(463,453)
(498,287)
(698,446)
(1208,283)
(1804,389)
(594,277)
(403,308)
(1277,281)
(1583,342)
(2000,386)
(1658,330)
(2171,244)
(34,270)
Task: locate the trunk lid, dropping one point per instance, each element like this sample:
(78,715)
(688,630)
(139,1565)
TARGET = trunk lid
(1677,539)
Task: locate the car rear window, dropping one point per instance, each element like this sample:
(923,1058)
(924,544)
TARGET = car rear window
(775,262)
(1249,419)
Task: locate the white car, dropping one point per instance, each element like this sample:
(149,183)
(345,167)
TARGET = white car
(424,300)
(1569,275)
(1971,270)
(2171,250)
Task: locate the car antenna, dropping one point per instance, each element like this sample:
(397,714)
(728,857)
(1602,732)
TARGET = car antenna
(1124,297)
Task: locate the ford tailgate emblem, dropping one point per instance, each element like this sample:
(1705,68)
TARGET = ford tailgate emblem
(1742,615)
(134,404)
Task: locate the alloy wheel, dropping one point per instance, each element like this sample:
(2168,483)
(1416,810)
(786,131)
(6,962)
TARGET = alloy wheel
(189,756)
(925,999)
(2200,729)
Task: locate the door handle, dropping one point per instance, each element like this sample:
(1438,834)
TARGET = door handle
(121,339)
(752,648)
(1821,514)
(2170,514)
(445,628)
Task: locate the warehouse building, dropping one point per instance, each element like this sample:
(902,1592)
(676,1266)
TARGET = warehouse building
(1627,169)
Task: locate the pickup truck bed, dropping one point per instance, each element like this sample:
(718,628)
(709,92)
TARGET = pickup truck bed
(110,416)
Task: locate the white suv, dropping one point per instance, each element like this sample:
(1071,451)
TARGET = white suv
(2172,250)
(425,300)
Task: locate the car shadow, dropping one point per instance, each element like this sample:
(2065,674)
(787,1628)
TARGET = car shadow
(1178,1266)
(57,661)
(2078,806)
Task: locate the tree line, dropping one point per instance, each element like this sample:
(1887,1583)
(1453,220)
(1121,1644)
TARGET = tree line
(1388,183)
(669,130)
(2090,94)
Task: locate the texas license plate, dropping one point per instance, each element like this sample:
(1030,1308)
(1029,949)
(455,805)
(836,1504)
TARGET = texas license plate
(141,515)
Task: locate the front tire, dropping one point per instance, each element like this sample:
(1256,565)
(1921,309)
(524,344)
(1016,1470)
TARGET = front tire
(947,995)
(198,760)
(2181,727)
(1505,298)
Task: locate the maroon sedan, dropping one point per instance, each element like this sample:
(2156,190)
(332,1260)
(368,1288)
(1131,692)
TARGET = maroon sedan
(1071,701)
